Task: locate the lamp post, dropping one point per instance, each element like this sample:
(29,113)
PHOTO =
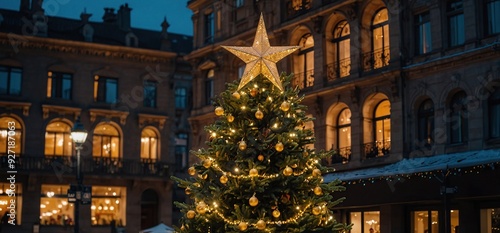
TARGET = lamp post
(78,135)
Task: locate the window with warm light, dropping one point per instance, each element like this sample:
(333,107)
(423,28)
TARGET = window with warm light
(380,39)
(149,144)
(59,85)
(365,222)
(344,133)
(490,220)
(54,206)
(106,141)
(108,204)
(342,50)
(425,221)
(382,120)
(304,62)
(10,80)
(209,87)
(5,133)
(105,89)
(58,139)
(6,197)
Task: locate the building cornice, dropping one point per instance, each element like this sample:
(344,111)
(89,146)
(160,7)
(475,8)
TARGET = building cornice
(16,105)
(149,118)
(17,42)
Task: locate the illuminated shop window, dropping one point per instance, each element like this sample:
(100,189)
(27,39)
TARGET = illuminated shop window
(108,204)
(10,127)
(365,222)
(8,200)
(54,206)
(490,220)
(425,221)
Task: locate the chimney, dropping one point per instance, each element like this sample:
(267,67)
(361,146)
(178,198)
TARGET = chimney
(124,17)
(36,5)
(109,15)
(165,42)
(84,16)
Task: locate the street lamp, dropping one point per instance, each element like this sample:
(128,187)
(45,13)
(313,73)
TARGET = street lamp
(78,135)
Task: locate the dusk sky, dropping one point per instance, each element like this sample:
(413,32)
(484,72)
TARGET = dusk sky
(146,14)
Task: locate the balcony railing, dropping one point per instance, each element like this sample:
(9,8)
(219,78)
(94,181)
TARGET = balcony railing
(376,59)
(338,69)
(304,79)
(61,165)
(343,155)
(377,149)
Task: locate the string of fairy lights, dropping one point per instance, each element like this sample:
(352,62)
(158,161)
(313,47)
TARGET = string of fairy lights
(477,169)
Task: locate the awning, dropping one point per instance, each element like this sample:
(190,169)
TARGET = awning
(421,164)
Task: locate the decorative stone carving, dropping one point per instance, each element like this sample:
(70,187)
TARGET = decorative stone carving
(149,118)
(17,105)
(122,116)
(61,110)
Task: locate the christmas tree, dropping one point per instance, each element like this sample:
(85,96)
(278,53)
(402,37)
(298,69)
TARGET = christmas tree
(257,173)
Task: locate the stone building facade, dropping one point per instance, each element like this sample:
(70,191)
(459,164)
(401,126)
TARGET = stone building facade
(129,87)
(406,92)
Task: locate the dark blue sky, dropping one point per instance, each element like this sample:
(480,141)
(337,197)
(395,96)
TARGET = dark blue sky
(147,14)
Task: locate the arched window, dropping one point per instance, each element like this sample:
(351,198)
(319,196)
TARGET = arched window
(149,144)
(341,66)
(381,144)
(494,114)
(304,62)
(380,40)
(58,139)
(10,131)
(344,133)
(106,141)
(458,121)
(426,122)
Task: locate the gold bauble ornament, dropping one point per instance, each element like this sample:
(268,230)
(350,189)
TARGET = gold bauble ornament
(243,226)
(285,106)
(261,225)
(316,210)
(287,171)
(201,208)
(190,214)
(276,213)
(242,145)
(192,171)
(197,184)
(223,179)
(318,191)
(253,172)
(230,118)
(316,172)
(279,147)
(187,190)
(219,111)
(236,95)
(183,227)
(259,115)
(295,165)
(254,92)
(207,163)
(305,153)
(260,158)
(253,201)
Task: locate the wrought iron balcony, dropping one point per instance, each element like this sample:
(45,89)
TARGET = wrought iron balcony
(377,149)
(304,79)
(376,59)
(343,155)
(63,165)
(338,69)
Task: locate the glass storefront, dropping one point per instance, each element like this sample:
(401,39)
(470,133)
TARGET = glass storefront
(365,222)
(11,202)
(54,206)
(108,204)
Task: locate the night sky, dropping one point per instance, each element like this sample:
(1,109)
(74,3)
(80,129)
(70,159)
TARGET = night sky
(146,14)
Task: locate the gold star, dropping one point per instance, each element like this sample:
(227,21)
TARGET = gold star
(261,58)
